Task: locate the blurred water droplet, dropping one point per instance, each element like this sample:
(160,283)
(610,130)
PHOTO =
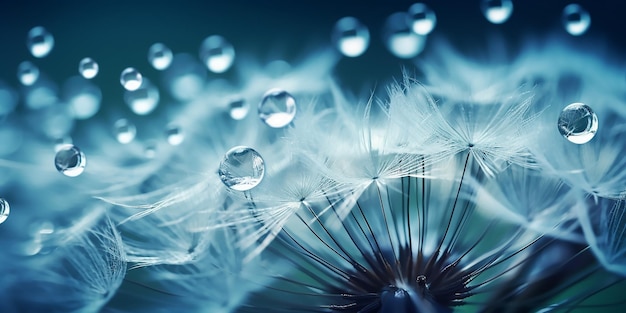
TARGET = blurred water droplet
(124,131)
(185,77)
(422,19)
(350,37)
(400,39)
(5,209)
(238,108)
(150,150)
(242,168)
(83,97)
(27,73)
(497,11)
(160,56)
(70,161)
(131,79)
(277,108)
(39,42)
(578,123)
(88,68)
(143,100)
(217,54)
(175,135)
(576,20)
(8,99)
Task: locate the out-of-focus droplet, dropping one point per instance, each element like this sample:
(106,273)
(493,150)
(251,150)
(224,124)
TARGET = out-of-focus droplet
(497,11)
(143,100)
(350,37)
(400,39)
(124,131)
(422,19)
(88,68)
(8,99)
(39,42)
(5,209)
(175,135)
(83,97)
(27,73)
(70,161)
(238,108)
(217,54)
(160,56)
(131,79)
(242,168)
(185,78)
(277,108)
(150,150)
(576,19)
(578,123)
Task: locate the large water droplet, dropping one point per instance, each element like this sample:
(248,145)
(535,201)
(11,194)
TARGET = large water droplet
(350,37)
(422,19)
(175,135)
(124,131)
(400,39)
(576,20)
(88,68)
(70,161)
(5,209)
(39,42)
(238,108)
(27,73)
(278,108)
(131,79)
(160,56)
(144,99)
(578,123)
(217,54)
(497,11)
(242,168)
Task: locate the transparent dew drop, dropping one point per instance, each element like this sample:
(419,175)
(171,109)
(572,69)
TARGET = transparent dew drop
(70,161)
(131,79)
(277,108)
(242,168)
(83,97)
(576,20)
(124,131)
(217,54)
(143,100)
(422,19)
(238,109)
(175,135)
(497,11)
(5,209)
(400,39)
(350,36)
(39,42)
(578,123)
(27,73)
(88,68)
(160,56)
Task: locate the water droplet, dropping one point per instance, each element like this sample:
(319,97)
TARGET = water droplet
(576,20)
(175,135)
(40,42)
(70,161)
(5,209)
(238,109)
(150,149)
(8,99)
(350,37)
(217,54)
(242,168)
(400,39)
(143,100)
(160,56)
(88,68)
(124,131)
(131,79)
(497,11)
(422,19)
(578,123)
(27,73)
(83,97)
(278,108)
